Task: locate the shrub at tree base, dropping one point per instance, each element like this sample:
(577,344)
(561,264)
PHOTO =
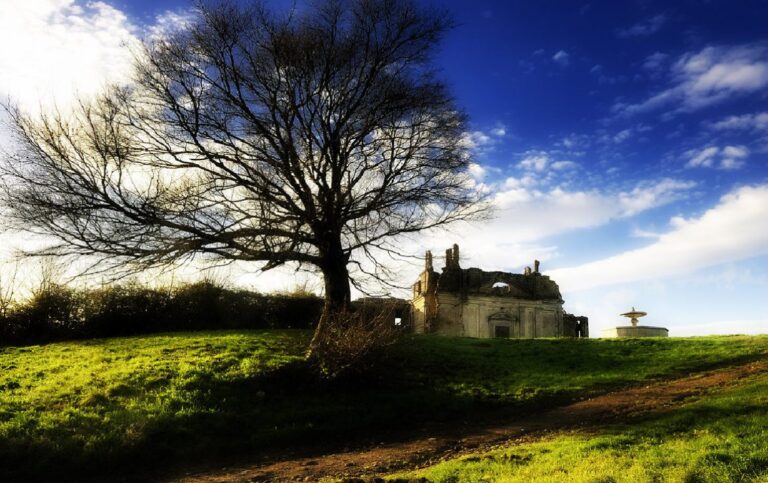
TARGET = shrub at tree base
(353,340)
(58,312)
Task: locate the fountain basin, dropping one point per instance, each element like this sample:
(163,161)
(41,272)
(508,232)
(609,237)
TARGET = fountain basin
(635,331)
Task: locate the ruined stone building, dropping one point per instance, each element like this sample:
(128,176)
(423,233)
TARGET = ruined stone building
(474,303)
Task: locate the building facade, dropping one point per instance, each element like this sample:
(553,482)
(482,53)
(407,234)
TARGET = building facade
(475,303)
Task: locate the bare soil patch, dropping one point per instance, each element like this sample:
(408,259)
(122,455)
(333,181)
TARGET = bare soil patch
(450,442)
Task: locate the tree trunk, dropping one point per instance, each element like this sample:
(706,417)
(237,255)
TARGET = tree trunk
(337,291)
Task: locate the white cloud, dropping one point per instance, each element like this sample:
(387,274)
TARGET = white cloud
(622,136)
(480,140)
(704,157)
(645,28)
(513,183)
(707,77)
(477,171)
(526,214)
(569,142)
(525,217)
(715,73)
(732,276)
(745,122)
(484,141)
(169,22)
(534,162)
(735,152)
(729,157)
(575,141)
(476,139)
(655,61)
(735,229)
(561,165)
(640,233)
(635,133)
(731,163)
(54,48)
(539,161)
(733,157)
(561,57)
(650,194)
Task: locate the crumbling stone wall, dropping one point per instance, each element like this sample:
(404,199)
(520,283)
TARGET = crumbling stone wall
(576,326)
(475,303)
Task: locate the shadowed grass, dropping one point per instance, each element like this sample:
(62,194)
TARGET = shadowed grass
(515,370)
(86,408)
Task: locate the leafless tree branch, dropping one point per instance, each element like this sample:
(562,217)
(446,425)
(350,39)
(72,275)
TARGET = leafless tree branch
(253,136)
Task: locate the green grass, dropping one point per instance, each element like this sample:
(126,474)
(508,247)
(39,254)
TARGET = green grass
(85,408)
(514,371)
(718,438)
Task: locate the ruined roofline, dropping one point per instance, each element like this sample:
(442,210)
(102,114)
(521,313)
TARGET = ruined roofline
(508,274)
(529,285)
(453,259)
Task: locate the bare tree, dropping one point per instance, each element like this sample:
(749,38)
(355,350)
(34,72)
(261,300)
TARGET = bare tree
(257,136)
(8,290)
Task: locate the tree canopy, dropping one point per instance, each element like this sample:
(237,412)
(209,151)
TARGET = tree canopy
(314,136)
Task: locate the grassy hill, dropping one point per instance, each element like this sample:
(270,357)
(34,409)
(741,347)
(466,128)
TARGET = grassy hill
(719,437)
(91,407)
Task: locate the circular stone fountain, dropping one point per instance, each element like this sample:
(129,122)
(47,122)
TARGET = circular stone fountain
(635,330)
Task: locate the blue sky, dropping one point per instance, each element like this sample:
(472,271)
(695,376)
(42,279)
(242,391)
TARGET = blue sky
(624,144)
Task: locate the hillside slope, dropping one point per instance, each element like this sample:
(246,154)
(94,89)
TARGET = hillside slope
(716,436)
(502,450)
(174,400)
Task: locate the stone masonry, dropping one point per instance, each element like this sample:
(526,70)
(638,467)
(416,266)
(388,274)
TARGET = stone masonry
(474,303)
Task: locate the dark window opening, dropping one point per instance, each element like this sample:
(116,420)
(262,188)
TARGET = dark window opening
(501,331)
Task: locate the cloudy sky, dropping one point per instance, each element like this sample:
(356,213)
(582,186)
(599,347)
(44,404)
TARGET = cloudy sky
(624,144)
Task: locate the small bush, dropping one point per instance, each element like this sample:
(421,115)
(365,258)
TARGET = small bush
(350,341)
(123,310)
(52,312)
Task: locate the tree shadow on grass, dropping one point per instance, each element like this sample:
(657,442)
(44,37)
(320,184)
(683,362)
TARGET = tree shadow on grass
(220,421)
(288,411)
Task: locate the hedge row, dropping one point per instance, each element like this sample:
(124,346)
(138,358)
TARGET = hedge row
(59,312)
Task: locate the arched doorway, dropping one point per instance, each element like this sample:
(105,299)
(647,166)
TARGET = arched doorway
(504,324)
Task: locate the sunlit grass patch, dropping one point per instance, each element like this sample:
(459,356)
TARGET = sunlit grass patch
(91,400)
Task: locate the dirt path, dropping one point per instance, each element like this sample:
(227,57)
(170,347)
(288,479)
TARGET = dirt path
(386,458)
